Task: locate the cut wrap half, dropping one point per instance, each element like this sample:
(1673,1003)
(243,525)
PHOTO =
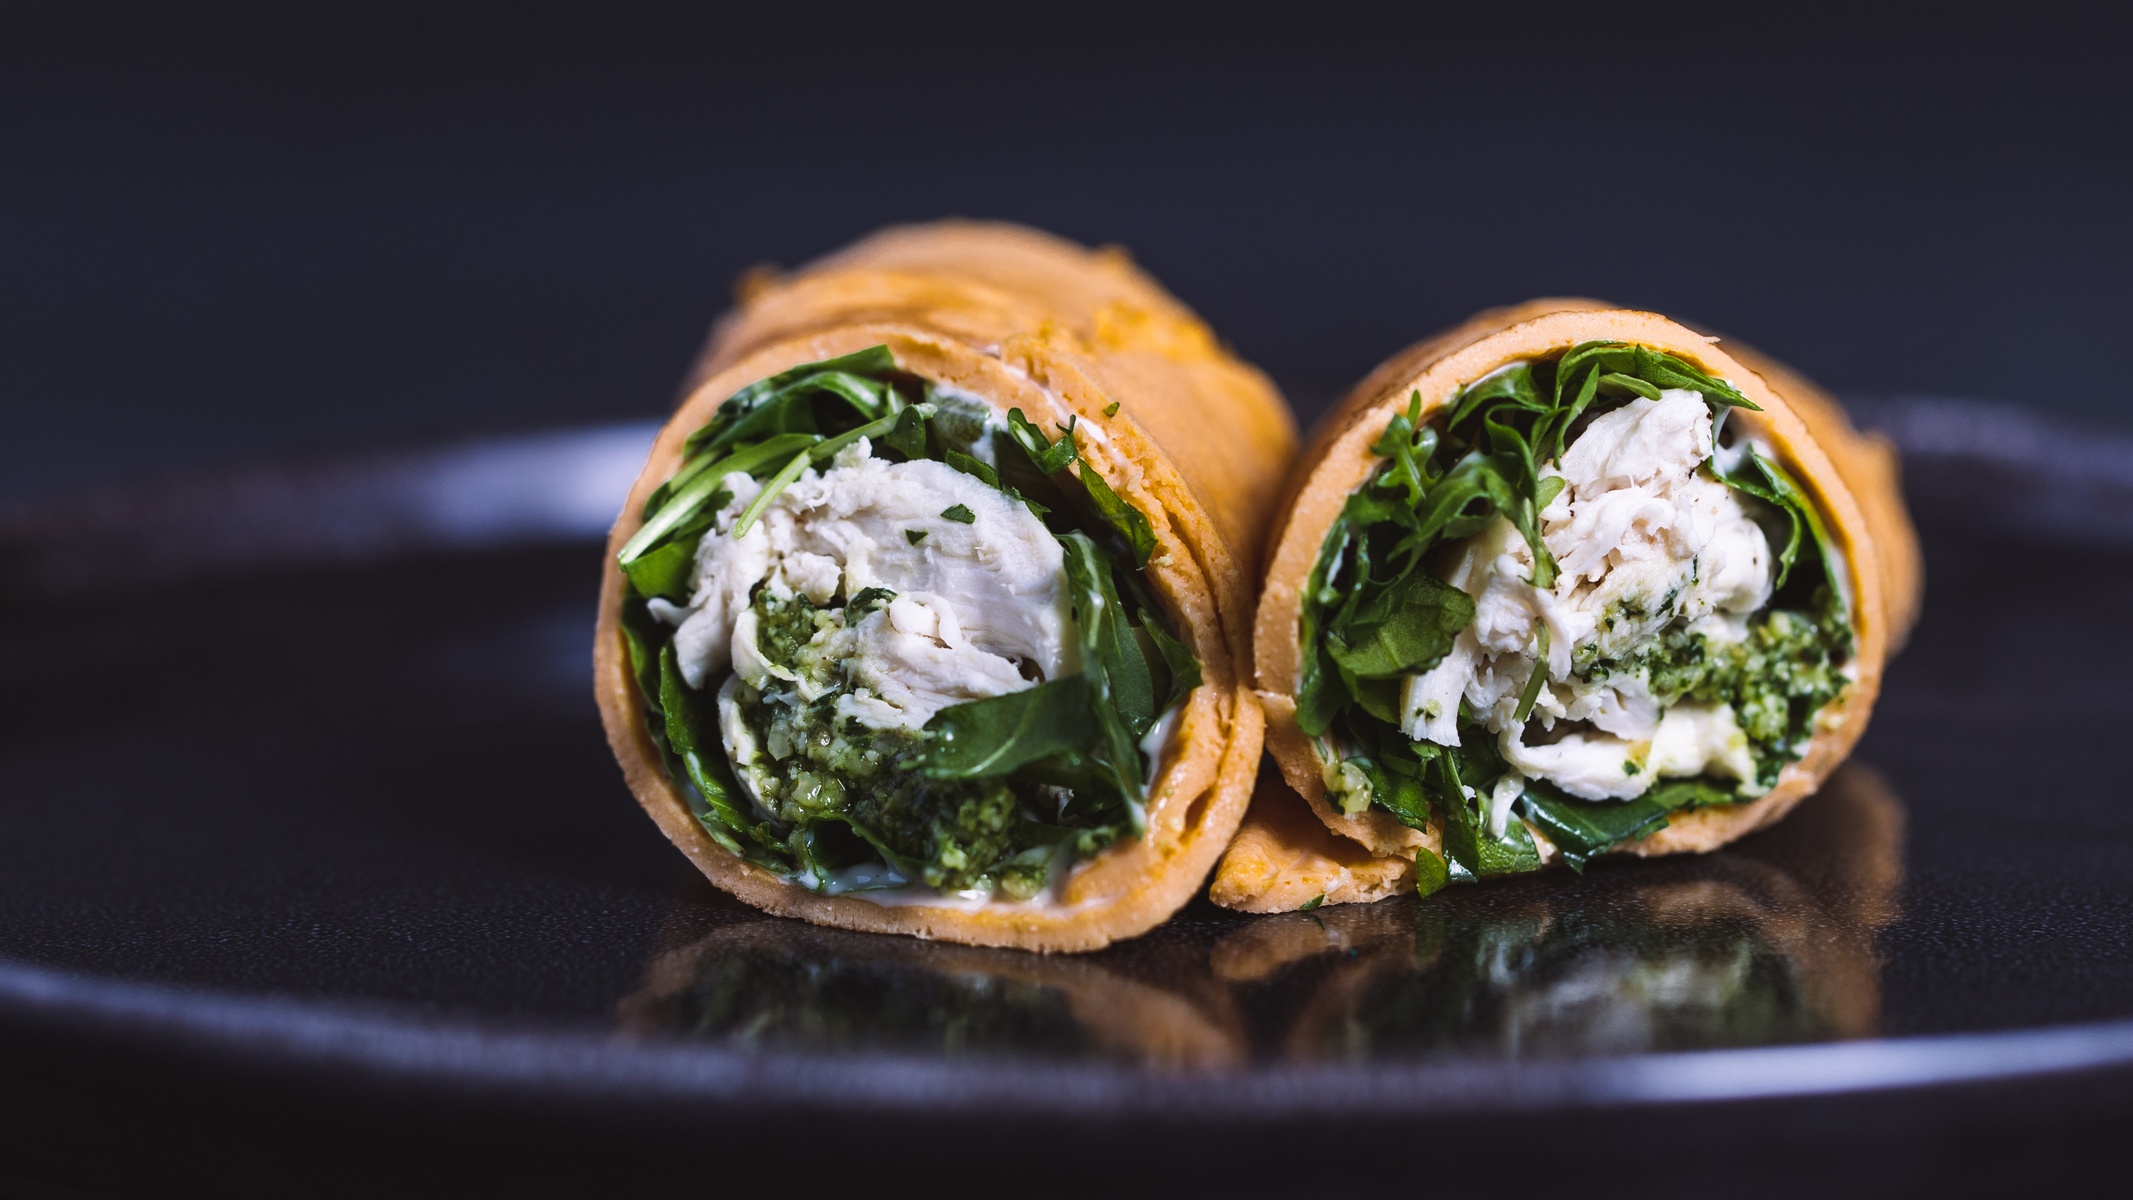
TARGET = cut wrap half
(1564,581)
(929,613)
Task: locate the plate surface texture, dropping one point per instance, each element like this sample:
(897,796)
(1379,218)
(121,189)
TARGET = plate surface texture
(310,829)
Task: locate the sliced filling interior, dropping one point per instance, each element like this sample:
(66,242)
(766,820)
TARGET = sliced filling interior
(1576,602)
(893,643)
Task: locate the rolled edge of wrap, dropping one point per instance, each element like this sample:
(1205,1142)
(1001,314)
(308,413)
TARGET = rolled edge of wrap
(1853,478)
(1068,335)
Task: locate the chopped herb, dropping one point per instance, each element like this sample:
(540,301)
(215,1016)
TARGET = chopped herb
(914,536)
(1539,676)
(1313,903)
(1111,409)
(960,514)
(865,602)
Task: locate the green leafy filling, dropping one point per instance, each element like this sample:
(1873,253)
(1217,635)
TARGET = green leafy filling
(995,794)
(1373,614)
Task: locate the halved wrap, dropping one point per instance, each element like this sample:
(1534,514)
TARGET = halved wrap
(930,611)
(1566,580)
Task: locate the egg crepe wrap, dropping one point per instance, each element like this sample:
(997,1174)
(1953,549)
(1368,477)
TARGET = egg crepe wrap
(930,611)
(1563,581)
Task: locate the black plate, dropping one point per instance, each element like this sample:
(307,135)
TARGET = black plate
(311,836)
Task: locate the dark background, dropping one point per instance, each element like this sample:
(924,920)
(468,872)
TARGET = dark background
(235,233)
(239,232)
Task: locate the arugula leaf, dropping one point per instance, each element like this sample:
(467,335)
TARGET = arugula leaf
(1397,793)
(1620,368)
(1448,512)
(1094,784)
(1583,828)
(1319,694)
(1102,618)
(709,772)
(778,483)
(1755,483)
(1406,629)
(697,497)
(908,438)
(1481,855)
(782,403)
(1618,383)
(1537,678)
(1184,666)
(1553,431)
(1677,795)
(1666,371)
(750,459)
(1119,515)
(643,636)
(1513,384)
(821,451)
(665,571)
(1766,480)
(1047,456)
(971,466)
(806,836)
(1794,497)
(1512,457)
(1409,447)
(1474,854)
(995,736)
(1121,693)
(1430,872)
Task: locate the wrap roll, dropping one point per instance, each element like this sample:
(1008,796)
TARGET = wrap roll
(1720,563)
(929,613)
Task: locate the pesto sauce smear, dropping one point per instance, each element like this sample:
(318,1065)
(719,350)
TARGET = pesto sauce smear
(1568,603)
(888,640)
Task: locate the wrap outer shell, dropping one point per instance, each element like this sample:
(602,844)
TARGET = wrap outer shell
(1280,861)
(1032,322)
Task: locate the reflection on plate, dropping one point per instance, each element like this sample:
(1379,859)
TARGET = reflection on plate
(780,983)
(1767,941)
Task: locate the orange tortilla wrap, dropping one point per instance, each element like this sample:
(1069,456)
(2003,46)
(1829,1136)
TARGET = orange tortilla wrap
(1183,431)
(1282,860)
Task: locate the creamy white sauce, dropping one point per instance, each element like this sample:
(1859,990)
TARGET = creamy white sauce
(867,876)
(918,894)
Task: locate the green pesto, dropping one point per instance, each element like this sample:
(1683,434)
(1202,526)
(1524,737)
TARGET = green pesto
(955,834)
(1788,668)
